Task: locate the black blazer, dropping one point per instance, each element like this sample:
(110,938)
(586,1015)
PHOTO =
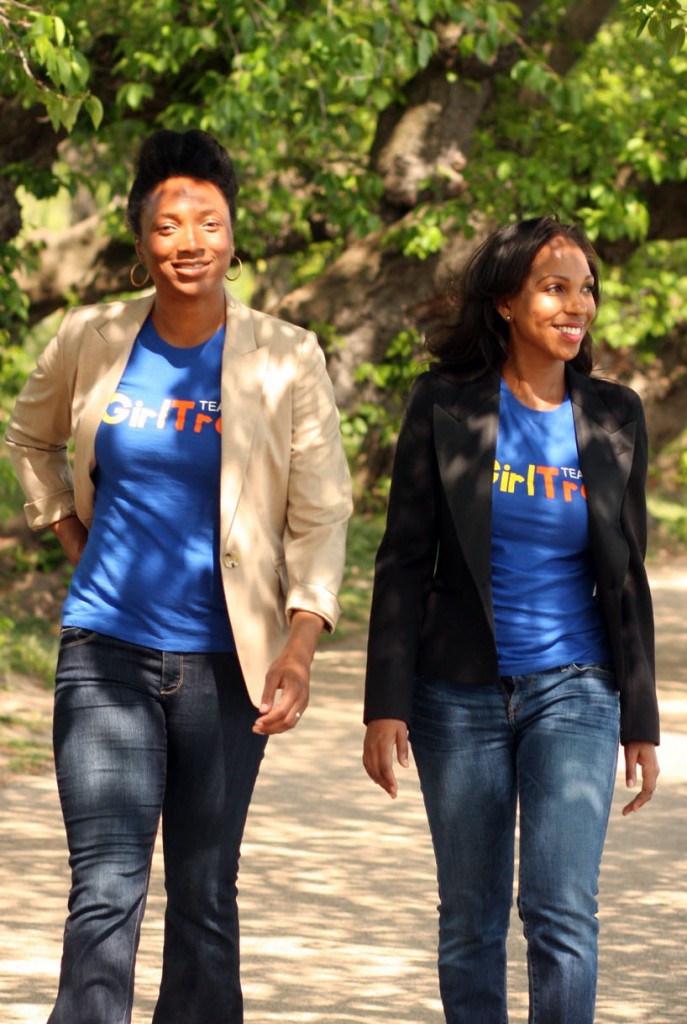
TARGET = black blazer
(432,608)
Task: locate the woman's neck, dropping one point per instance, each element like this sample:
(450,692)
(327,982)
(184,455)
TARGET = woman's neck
(541,389)
(186,324)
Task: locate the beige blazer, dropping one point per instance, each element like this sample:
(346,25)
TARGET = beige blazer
(285,486)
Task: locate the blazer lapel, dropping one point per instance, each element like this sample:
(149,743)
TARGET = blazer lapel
(606,449)
(121,322)
(465,441)
(244,367)
(101,366)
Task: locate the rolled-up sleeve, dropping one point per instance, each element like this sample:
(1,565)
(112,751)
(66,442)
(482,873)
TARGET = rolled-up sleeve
(37,437)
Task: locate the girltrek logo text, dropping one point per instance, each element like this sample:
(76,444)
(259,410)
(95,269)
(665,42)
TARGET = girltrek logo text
(182,414)
(554,482)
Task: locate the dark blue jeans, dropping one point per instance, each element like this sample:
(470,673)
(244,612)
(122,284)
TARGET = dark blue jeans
(140,733)
(549,742)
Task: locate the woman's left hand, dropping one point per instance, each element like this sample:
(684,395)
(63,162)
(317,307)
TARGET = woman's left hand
(644,755)
(290,673)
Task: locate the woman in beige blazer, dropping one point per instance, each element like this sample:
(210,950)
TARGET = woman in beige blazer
(205,512)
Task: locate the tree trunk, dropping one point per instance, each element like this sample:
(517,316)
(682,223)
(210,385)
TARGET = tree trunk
(372,291)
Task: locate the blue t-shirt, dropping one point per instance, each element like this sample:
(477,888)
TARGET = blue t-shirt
(542,573)
(150,572)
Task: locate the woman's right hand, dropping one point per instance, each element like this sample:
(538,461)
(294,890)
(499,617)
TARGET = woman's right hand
(72,535)
(382,736)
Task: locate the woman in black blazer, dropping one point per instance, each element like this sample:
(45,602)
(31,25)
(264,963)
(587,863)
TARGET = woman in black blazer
(511,633)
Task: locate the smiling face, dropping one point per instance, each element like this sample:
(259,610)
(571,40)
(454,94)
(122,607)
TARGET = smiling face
(550,315)
(186,239)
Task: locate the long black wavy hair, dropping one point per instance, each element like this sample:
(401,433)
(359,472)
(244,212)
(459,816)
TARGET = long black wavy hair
(477,341)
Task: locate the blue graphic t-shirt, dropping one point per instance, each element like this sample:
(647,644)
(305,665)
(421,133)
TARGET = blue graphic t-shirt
(150,573)
(542,574)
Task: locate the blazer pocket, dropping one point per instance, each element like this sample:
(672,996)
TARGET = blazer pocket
(439,587)
(282,575)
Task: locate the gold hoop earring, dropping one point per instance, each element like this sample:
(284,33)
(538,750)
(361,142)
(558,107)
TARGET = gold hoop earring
(132,276)
(236,276)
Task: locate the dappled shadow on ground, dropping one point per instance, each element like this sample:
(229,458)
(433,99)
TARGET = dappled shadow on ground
(338,886)
(643,969)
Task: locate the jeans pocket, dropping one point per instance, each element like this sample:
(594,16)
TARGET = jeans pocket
(75,636)
(602,669)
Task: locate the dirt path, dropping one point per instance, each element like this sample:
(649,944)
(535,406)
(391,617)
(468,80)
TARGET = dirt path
(337,882)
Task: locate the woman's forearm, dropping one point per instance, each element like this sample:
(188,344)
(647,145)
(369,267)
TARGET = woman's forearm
(72,535)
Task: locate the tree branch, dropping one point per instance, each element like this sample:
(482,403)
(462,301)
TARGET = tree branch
(667,205)
(579,25)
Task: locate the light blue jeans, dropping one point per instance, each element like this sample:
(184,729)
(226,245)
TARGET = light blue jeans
(139,734)
(548,742)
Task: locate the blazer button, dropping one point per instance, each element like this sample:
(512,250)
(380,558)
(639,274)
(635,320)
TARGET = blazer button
(230,560)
